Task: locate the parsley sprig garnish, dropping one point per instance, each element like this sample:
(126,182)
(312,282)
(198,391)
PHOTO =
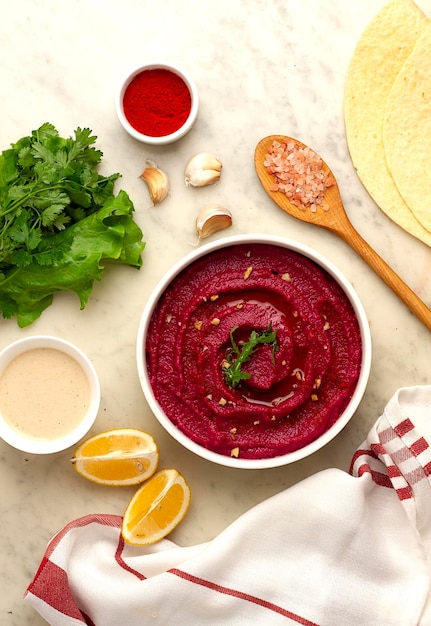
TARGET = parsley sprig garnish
(236,356)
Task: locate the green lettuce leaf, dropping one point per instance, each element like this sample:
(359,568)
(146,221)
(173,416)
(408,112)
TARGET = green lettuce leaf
(72,259)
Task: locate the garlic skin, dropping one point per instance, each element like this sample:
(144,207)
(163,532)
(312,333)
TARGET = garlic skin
(212,219)
(157,182)
(202,169)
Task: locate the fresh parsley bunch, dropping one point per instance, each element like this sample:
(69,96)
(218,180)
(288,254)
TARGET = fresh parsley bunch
(60,221)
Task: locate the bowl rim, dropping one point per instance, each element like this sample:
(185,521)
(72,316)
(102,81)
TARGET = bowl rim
(331,432)
(165,139)
(35,446)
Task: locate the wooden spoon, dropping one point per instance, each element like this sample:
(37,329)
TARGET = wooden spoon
(336,220)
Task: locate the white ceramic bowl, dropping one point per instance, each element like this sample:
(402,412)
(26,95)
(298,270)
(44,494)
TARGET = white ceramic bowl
(308,449)
(164,139)
(45,445)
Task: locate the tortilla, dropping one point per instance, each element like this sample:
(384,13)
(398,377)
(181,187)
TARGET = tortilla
(379,56)
(407,130)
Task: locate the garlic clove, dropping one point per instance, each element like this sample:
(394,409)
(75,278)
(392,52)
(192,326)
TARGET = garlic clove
(205,161)
(202,169)
(157,183)
(201,178)
(212,219)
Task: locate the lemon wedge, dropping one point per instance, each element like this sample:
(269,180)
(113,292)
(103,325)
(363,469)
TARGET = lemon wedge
(156,508)
(123,456)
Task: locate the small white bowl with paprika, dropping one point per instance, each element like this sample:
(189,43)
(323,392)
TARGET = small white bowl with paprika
(49,394)
(157,103)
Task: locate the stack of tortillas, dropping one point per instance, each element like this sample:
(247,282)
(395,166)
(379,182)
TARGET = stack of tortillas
(388,114)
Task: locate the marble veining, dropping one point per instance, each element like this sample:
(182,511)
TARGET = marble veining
(261,68)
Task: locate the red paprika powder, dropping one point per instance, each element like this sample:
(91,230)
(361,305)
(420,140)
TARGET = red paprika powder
(157,102)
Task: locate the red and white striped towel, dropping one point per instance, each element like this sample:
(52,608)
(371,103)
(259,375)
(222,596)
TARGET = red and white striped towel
(337,549)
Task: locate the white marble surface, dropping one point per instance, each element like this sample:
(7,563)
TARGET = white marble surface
(262,67)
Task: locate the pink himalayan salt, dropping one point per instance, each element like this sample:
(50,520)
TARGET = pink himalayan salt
(298,173)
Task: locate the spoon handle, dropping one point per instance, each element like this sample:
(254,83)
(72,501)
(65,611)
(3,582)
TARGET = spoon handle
(382,269)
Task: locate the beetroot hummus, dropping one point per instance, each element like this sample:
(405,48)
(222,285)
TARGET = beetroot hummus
(295,390)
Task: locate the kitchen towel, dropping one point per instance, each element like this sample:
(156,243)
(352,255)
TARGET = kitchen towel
(337,549)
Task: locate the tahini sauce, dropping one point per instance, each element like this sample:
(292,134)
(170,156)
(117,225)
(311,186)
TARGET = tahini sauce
(44,393)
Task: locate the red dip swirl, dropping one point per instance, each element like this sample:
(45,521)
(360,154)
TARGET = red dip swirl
(157,102)
(294,393)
